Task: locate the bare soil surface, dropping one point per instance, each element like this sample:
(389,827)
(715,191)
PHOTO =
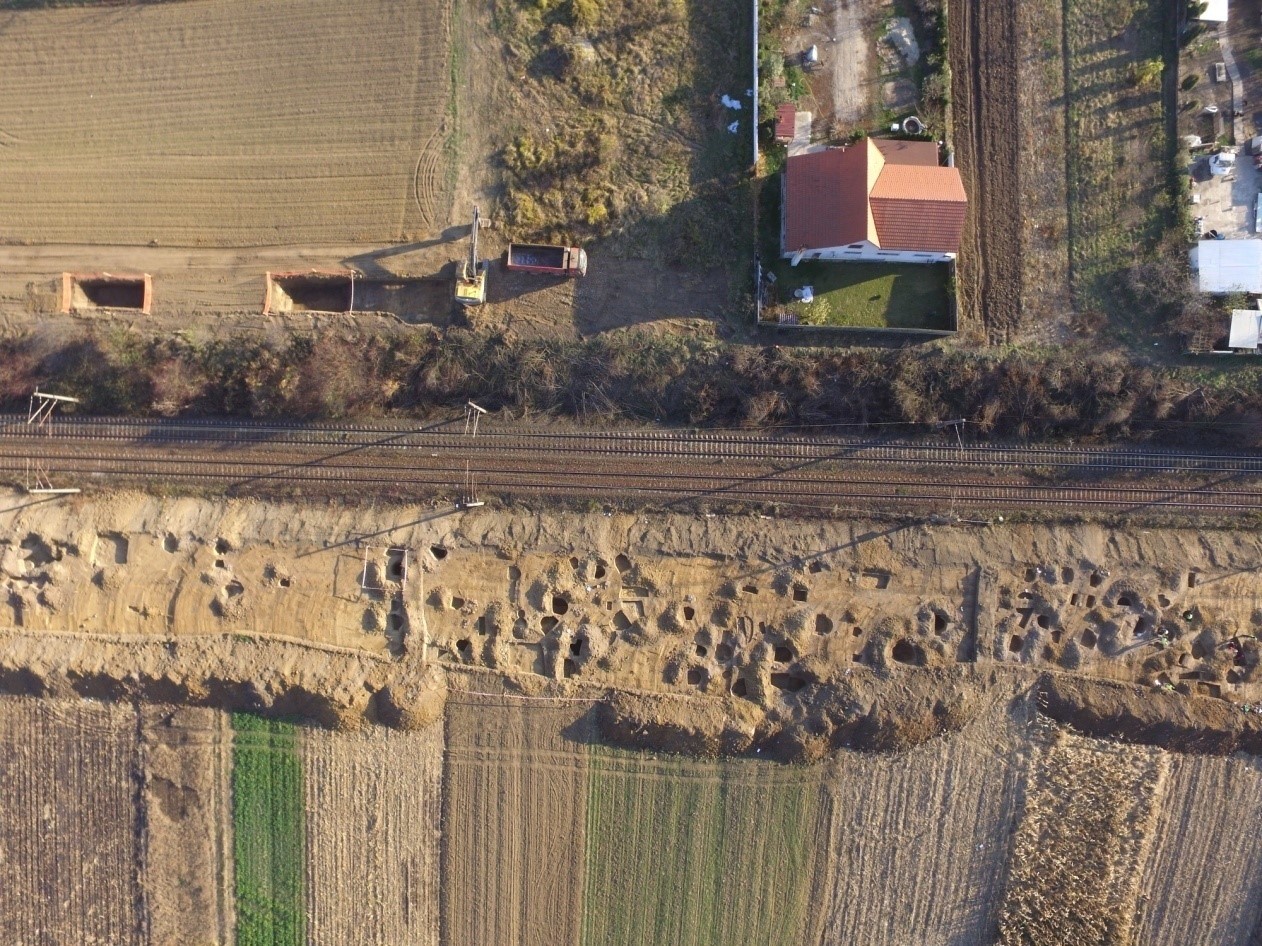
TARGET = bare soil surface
(373,802)
(73,850)
(986,110)
(741,629)
(236,123)
(396,287)
(187,815)
(514,813)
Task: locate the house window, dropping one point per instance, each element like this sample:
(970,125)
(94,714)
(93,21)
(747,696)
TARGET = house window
(856,246)
(884,253)
(816,255)
(924,256)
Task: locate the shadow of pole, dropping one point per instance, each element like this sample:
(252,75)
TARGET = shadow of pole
(281,471)
(357,539)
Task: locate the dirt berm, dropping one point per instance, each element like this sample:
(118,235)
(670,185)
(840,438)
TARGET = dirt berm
(335,690)
(1131,713)
(868,712)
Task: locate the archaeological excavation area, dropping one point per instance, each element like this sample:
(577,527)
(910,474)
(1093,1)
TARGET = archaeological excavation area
(515,727)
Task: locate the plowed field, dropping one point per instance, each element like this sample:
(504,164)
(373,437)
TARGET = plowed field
(238,123)
(1205,853)
(69,823)
(936,819)
(118,829)
(986,97)
(514,815)
(1064,154)
(373,803)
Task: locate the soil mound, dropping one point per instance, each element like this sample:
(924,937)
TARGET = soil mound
(1148,716)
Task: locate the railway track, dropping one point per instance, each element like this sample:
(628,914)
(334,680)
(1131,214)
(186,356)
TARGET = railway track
(643,444)
(657,467)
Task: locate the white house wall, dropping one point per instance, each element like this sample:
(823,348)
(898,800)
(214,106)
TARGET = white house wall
(868,252)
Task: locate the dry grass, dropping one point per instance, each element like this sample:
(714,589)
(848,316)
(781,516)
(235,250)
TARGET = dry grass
(620,134)
(1089,814)
(1041,90)
(1117,162)
(231,123)
(373,804)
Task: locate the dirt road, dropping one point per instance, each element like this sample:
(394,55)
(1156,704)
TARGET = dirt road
(227,285)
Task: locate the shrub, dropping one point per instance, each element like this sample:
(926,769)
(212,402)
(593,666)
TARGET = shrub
(1146,74)
(584,13)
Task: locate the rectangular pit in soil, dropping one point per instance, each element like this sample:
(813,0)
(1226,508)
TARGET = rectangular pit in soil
(86,291)
(309,292)
(412,299)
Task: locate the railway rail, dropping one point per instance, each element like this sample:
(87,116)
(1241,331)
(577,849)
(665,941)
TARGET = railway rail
(656,466)
(644,443)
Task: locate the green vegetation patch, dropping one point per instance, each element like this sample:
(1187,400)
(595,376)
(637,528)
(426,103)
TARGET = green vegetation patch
(868,295)
(269,839)
(1119,146)
(688,852)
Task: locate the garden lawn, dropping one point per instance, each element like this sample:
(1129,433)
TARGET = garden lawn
(869,295)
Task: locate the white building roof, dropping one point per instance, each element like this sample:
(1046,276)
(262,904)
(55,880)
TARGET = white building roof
(1215,11)
(1224,266)
(1246,329)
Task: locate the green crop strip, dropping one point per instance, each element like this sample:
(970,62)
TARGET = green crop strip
(693,853)
(269,840)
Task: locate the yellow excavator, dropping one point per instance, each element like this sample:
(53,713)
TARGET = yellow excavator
(471,283)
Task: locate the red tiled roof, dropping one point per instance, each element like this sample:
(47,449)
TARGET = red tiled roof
(826,200)
(786,118)
(913,204)
(919,208)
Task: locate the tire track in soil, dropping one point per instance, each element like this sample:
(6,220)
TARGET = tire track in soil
(984,33)
(427,178)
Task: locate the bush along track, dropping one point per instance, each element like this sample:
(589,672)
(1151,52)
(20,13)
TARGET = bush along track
(269,840)
(1004,394)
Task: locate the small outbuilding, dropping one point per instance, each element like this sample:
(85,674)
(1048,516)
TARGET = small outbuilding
(1215,12)
(1246,330)
(786,121)
(1225,266)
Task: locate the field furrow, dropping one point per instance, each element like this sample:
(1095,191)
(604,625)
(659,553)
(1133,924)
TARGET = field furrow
(1202,882)
(514,810)
(71,855)
(691,853)
(374,804)
(917,843)
(243,122)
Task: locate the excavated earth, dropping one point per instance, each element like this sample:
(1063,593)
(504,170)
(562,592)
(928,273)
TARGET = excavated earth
(704,635)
